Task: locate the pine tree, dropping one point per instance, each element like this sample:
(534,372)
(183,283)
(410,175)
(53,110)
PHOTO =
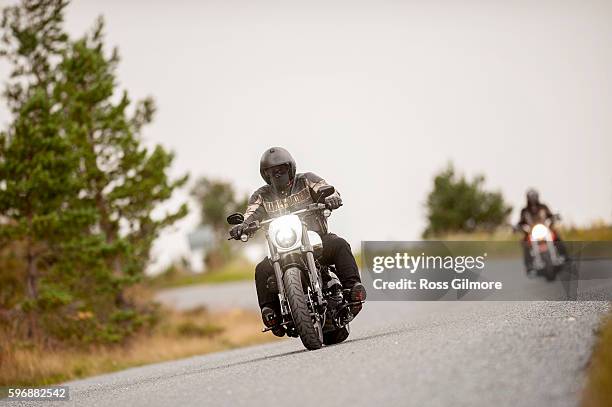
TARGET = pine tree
(124,180)
(38,165)
(78,186)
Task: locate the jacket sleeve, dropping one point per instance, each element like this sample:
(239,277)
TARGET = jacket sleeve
(523,220)
(255,209)
(315,182)
(549,213)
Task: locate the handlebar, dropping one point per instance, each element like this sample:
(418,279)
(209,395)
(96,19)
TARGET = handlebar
(548,222)
(309,208)
(256,225)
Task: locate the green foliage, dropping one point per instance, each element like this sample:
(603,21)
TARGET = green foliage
(217,199)
(78,188)
(458,205)
(124,180)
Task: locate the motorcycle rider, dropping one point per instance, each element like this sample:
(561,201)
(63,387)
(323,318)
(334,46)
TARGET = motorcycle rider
(284,192)
(533,213)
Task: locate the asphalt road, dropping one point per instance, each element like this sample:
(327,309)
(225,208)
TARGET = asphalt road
(399,354)
(215,296)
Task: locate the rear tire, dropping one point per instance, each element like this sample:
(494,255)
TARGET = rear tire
(336,336)
(309,333)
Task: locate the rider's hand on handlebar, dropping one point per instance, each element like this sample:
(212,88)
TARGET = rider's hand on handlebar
(237,230)
(333,202)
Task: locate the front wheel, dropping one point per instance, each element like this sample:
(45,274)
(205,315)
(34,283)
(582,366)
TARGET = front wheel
(308,328)
(549,269)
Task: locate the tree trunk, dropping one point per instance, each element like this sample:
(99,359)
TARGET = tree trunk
(111,233)
(32,289)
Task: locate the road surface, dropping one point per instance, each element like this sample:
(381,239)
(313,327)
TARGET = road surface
(399,354)
(215,296)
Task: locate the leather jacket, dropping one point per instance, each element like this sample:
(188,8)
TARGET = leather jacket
(266,203)
(536,214)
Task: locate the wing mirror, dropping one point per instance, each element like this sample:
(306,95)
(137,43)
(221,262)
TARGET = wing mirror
(235,218)
(324,192)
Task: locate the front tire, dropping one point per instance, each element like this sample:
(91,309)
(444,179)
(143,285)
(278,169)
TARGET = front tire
(310,330)
(549,269)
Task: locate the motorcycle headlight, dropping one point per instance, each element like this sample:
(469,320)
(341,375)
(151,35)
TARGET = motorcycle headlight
(285,237)
(285,232)
(539,232)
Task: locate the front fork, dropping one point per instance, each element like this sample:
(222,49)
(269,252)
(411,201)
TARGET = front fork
(312,271)
(552,251)
(312,267)
(278,273)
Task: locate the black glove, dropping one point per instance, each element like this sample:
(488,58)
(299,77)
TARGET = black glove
(333,202)
(236,231)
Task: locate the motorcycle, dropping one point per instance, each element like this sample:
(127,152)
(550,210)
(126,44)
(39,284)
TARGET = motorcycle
(544,249)
(314,306)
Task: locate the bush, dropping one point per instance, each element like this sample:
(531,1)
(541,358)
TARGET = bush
(458,205)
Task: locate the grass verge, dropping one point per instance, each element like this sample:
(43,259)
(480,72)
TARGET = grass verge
(598,231)
(176,276)
(598,389)
(179,335)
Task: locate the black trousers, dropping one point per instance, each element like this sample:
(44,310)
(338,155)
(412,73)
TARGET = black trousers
(336,251)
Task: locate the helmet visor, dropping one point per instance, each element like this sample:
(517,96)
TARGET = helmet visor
(278,171)
(279,177)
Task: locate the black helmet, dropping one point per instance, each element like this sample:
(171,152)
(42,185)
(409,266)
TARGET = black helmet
(532,196)
(276,156)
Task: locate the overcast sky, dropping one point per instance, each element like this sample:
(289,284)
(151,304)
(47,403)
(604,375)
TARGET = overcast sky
(376,97)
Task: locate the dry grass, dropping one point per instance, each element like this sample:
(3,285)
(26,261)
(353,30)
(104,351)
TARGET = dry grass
(179,335)
(598,390)
(598,231)
(500,235)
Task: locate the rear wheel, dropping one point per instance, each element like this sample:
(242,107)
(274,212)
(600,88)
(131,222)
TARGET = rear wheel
(308,328)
